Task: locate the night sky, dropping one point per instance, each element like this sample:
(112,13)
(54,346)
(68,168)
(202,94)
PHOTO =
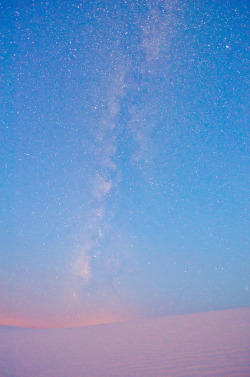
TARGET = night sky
(123,146)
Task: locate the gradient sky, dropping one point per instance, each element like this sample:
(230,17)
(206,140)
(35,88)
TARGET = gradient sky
(123,159)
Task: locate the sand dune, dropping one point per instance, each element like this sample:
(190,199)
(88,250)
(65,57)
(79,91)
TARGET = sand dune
(204,344)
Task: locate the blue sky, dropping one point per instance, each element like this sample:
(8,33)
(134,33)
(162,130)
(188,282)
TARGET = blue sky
(124,159)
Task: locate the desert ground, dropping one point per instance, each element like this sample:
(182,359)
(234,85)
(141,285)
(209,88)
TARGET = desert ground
(204,344)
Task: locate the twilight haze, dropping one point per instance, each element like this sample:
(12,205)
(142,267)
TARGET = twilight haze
(123,160)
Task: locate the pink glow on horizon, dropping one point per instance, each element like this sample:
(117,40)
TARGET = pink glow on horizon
(63,321)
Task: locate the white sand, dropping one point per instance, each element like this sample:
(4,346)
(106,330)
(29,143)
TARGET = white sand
(204,344)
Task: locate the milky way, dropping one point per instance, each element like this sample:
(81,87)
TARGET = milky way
(124,149)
